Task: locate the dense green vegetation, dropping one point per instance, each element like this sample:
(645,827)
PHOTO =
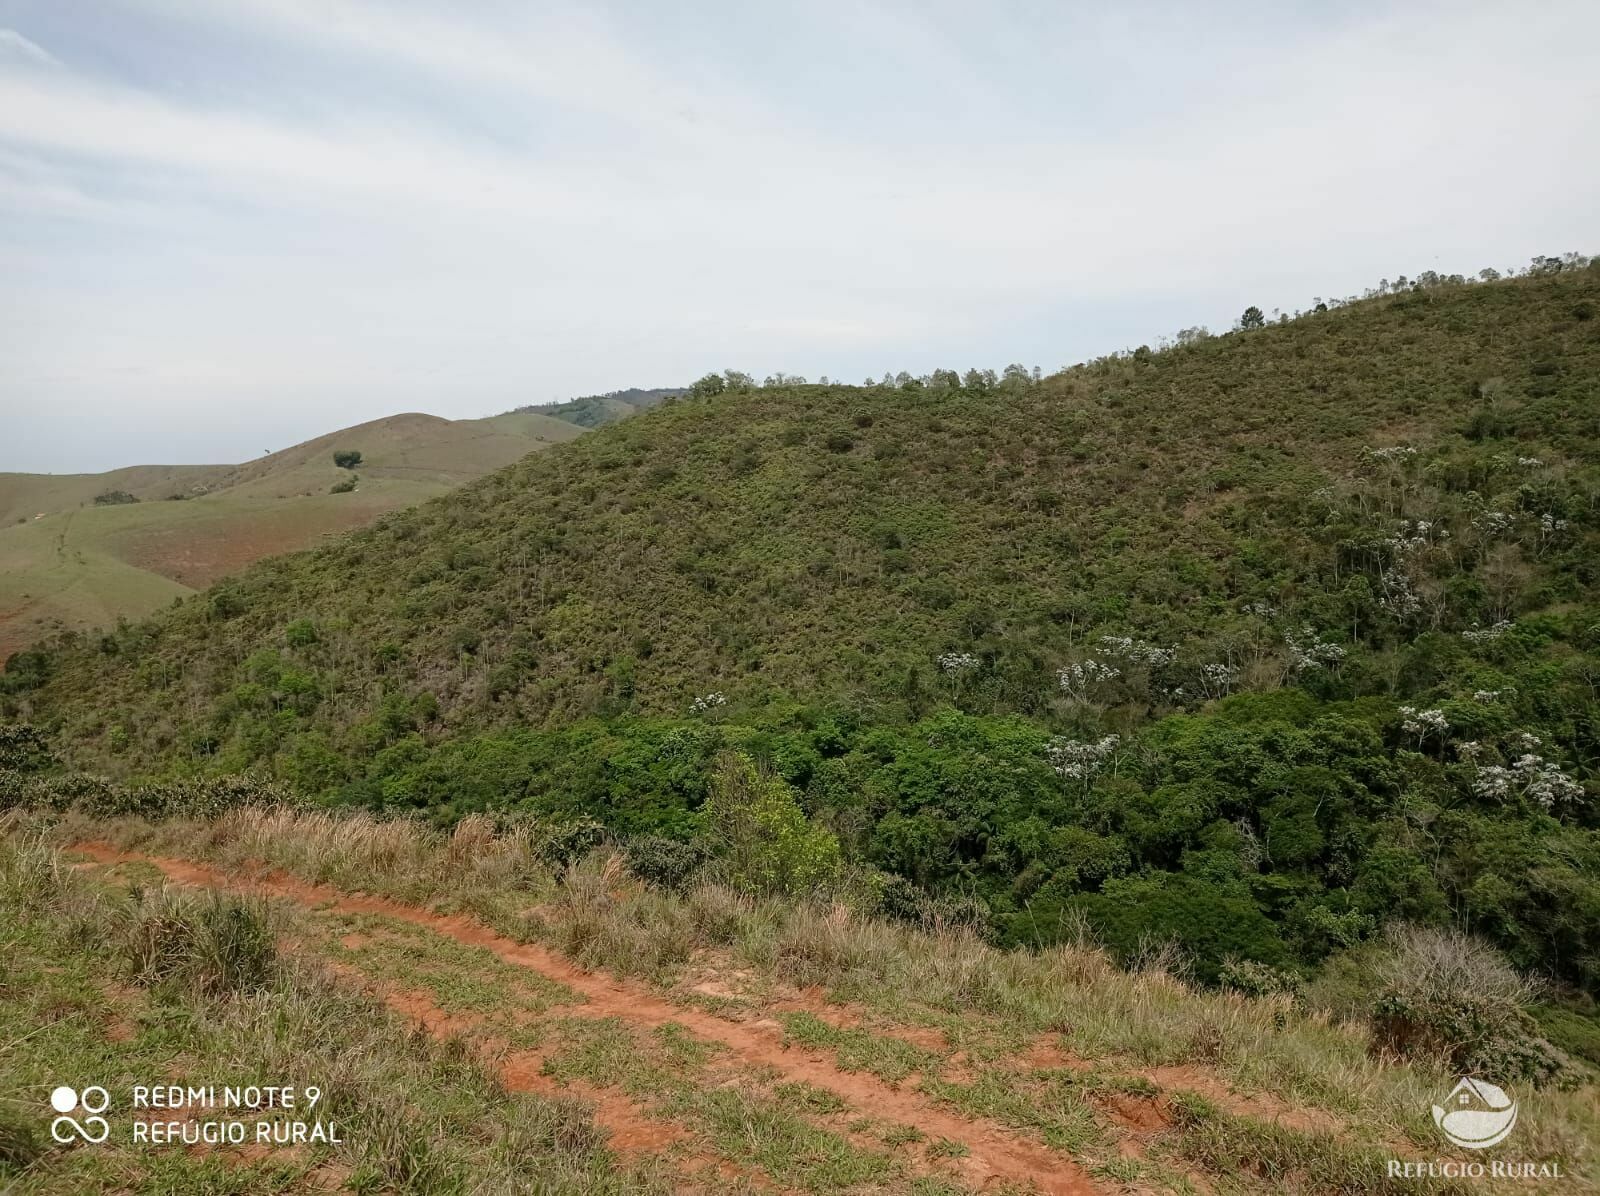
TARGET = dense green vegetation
(1256,642)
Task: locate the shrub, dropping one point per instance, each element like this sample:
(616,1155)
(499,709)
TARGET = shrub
(1447,994)
(1256,979)
(23,749)
(347,458)
(838,442)
(302,633)
(25,670)
(226,604)
(900,899)
(565,842)
(344,487)
(113,498)
(669,863)
(768,845)
(100,797)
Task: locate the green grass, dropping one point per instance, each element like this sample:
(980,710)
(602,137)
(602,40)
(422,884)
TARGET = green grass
(463,978)
(889,1058)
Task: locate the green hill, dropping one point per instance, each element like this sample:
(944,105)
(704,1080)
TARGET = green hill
(1254,643)
(590,411)
(79,551)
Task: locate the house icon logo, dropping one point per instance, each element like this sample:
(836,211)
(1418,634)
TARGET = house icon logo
(1476,1115)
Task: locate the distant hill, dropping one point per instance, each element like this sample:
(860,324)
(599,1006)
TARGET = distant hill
(591,411)
(83,550)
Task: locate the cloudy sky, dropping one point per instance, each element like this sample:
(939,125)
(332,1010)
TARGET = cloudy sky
(228,225)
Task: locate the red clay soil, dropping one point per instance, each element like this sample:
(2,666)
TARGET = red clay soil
(996,1155)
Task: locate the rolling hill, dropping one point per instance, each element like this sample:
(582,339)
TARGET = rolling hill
(68,562)
(591,411)
(1256,643)
(1168,775)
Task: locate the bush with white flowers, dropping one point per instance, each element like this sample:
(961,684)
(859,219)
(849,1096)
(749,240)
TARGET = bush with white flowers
(1217,680)
(1137,652)
(1308,650)
(706,702)
(1423,723)
(1077,680)
(1399,597)
(1541,781)
(1077,760)
(1493,523)
(1393,455)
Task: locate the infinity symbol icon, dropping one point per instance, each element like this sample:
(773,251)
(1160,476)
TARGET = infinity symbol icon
(94,1099)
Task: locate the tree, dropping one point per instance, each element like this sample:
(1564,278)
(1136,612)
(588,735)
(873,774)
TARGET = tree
(347,458)
(756,821)
(711,384)
(1252,318)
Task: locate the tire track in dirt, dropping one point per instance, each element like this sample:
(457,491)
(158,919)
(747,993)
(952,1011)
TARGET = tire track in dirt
(996,1155)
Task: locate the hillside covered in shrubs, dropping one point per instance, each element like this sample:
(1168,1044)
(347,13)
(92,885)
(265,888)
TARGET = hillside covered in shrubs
(1255,644)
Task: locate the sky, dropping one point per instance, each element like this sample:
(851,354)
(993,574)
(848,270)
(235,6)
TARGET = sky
(230,225)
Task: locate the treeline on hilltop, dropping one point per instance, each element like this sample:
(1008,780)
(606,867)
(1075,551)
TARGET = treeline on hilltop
(1257,643)
(1015,376)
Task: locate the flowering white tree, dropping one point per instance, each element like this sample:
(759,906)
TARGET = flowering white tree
(1078,680)
(1413,535)
(1309,651)
(1551,528)
(1491,524)
(1076,760)
(1217,680)
(1423,723)
(1139,652)
(1486,635)
(1530,775)
(707,702)
(1399,596)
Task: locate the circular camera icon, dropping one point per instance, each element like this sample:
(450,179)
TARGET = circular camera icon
(93,1100)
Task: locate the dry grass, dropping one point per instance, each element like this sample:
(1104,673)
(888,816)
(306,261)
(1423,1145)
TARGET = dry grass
(1071,995)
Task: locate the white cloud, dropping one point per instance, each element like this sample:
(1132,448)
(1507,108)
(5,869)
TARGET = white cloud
(383,204)
(13,45)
